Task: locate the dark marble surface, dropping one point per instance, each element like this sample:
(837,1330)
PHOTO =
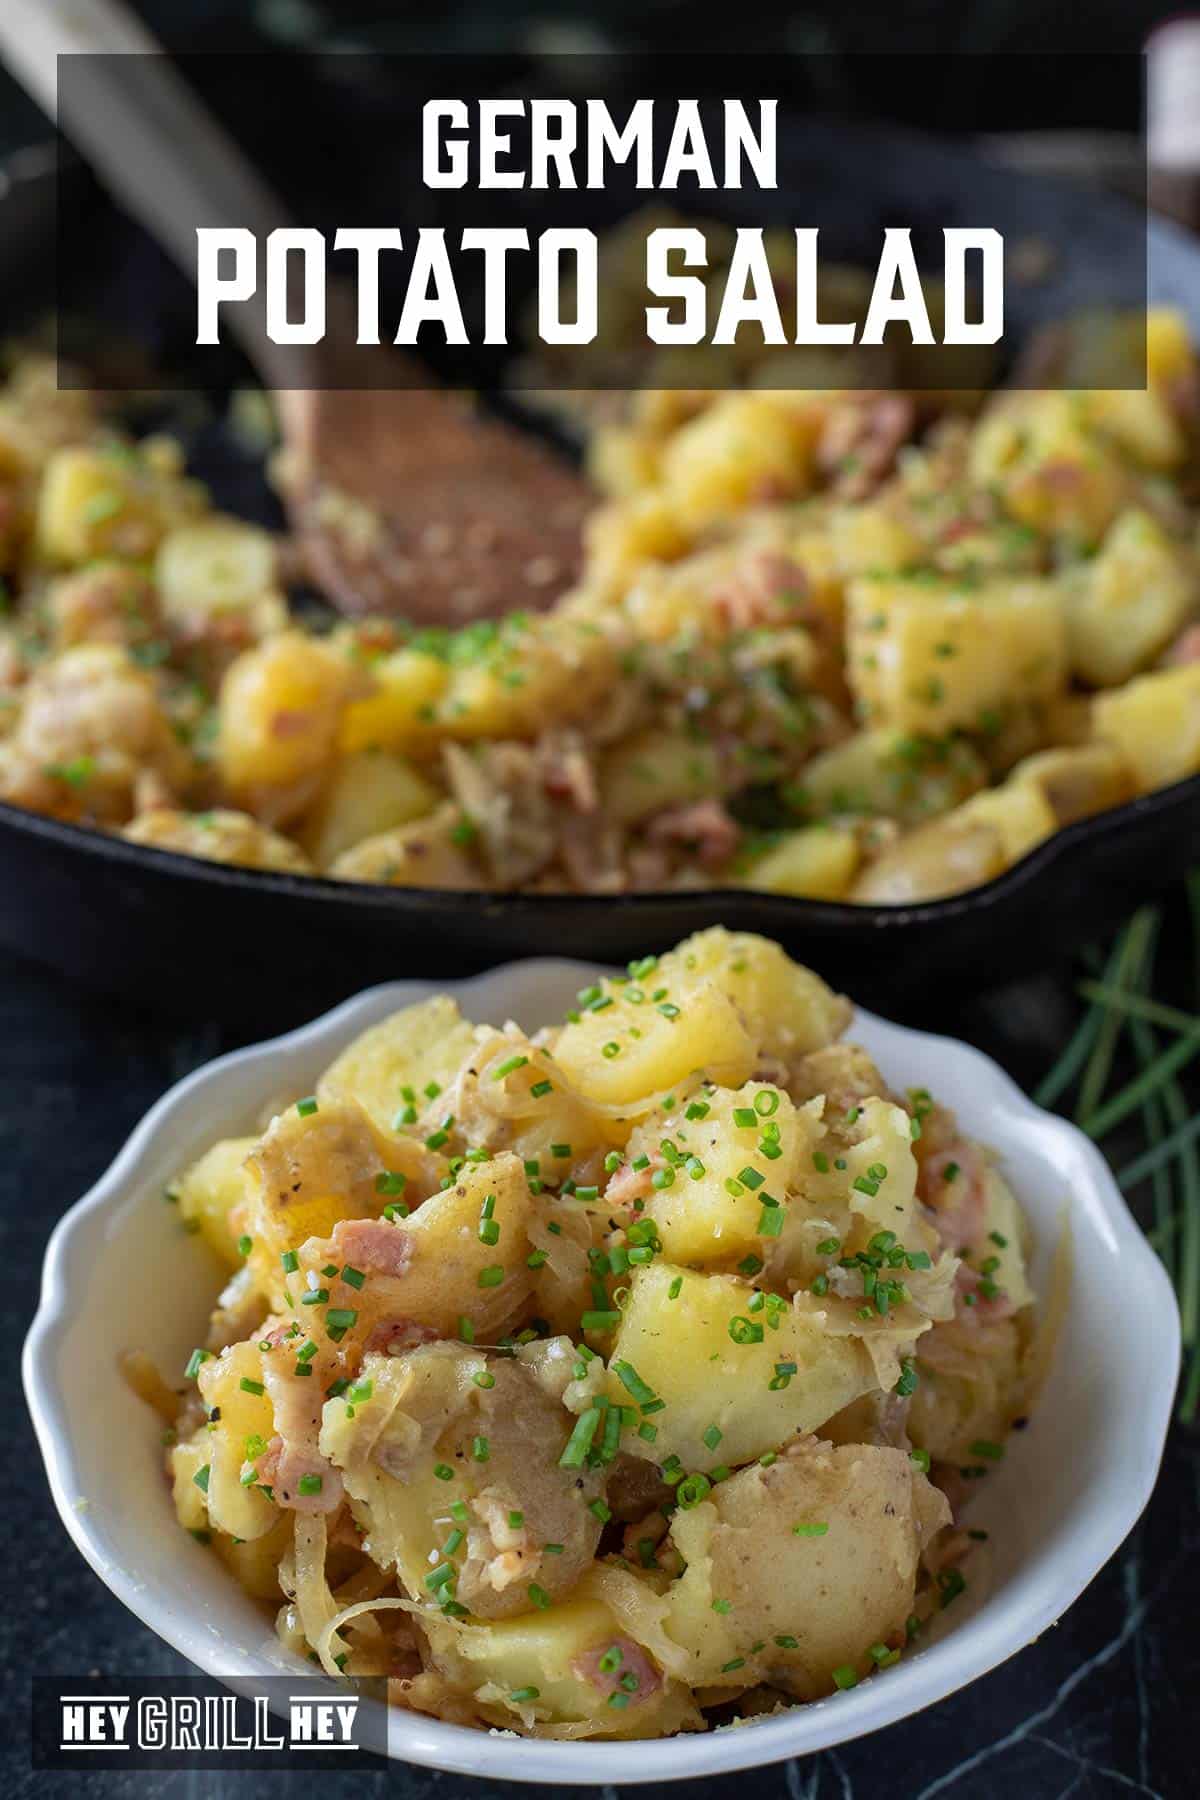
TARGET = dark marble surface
(1102,1705)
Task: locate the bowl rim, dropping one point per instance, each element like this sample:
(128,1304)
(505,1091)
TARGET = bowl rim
(1001,1627)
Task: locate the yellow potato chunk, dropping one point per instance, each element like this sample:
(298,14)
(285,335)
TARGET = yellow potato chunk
(1129,601)
(1019,812)
(787,1010)
(95,502)
(369,792)
(219,568)
(426,853)
(682,1350)
(700,1033)
(449,1276)
(1154,721)
(397,713)
(818,862)
(893,775)
(413,1417)
(746,447)
(930,656)
(1078,780)
(553,1651)
(944,857)
(413,1048)
(245,1421)
(821,1550)
(279,711)
(209,1191)
(698,1219)
(653,770)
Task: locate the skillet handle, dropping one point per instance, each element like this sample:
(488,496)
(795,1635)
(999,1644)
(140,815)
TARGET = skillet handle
(156,147)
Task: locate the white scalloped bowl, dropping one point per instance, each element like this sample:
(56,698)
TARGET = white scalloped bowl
(119,1275)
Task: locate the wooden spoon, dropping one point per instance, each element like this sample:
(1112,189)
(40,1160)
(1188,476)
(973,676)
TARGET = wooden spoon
(403,498)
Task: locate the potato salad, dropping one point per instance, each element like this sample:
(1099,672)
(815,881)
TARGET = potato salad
(841,644)
(623,1378)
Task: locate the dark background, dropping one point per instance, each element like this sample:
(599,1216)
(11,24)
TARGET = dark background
(1104,1704)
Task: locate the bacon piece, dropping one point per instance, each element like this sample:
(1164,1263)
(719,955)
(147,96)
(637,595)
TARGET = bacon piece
(634,1661)
(629,1184)
(959,1204)
(394,1336)
(1186,648)
(980,1310)
(763,589)
(283,1465)
(704,826)
(373,1244)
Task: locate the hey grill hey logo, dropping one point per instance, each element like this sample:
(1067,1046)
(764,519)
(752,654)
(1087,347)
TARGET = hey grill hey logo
(194,1723)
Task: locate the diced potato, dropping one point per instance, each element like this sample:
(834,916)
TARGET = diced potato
(1019,812)
(682,1349)
(217,567)
(310,1170)
(210,1189)
(881,1170)
(184,1462)
(428,1042)
(397,713)
(869,538)
(818,862)
(787,1010)
(927,656)
(442,1283)
(1141,422)
(701,1034)
(424,1411)
(893,775)
(551,1651)
(1154,721)
(254,1562)
(426,853)
(218,835)
(830,1590)
(1129,601)
(698,1219)
(744,448)
(944,857)
(1077,781)
(369,792)
(1051,472)
(279,711)
(653,770)
(621,539)
(967,1392)
(100,502)
(1006,1221)
(244,1419)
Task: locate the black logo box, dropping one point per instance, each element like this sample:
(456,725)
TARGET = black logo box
(194,1722)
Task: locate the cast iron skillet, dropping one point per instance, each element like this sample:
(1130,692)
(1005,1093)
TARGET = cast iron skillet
(169,930)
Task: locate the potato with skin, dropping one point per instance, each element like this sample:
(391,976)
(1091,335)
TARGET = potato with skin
(426,1411)
(681,1349)
(944,857)
(815,863)
(557,1652)
(834,1588)
(310,1170)
(893,775)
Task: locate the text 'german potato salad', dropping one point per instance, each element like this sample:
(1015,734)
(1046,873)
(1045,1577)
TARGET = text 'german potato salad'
(618,1380)
(862,645)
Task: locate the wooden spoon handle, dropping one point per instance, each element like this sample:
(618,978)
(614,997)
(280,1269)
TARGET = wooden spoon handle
(155,146)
